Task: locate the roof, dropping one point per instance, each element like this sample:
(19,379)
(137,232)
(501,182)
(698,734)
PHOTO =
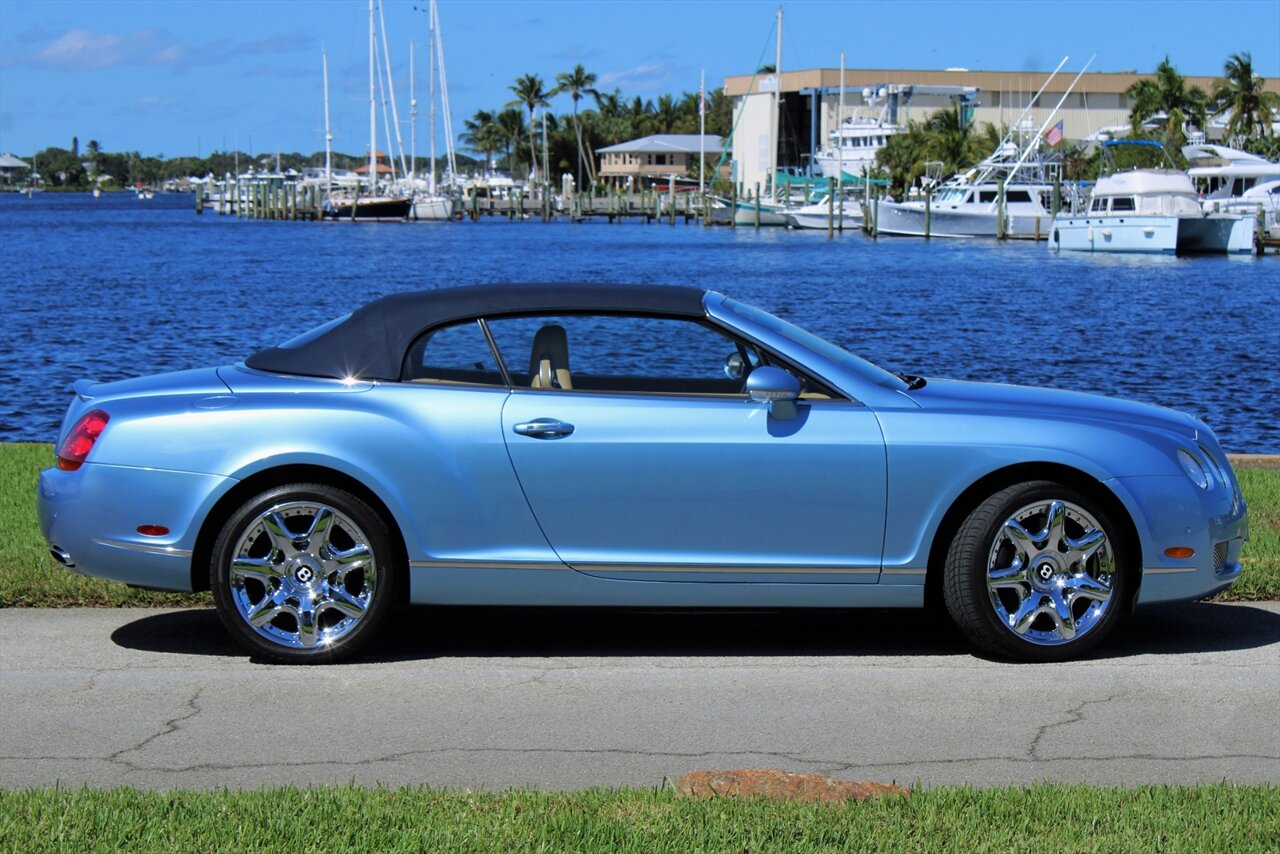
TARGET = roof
(370,344)
(663,143)
(1092,82)
(8,161)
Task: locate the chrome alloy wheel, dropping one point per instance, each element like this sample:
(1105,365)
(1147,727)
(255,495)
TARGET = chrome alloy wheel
(1050,572)
(302,575)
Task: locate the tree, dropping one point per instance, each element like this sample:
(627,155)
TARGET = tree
(93,150)
(1240,91)
(483,133)
(530,92)
(511,130)
(950,141)
(577,83)
(1164,95)
(903,156)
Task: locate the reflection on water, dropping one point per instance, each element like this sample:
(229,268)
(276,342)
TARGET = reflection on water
(119,287)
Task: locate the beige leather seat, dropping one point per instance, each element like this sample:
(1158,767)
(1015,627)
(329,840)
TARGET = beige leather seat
(549,360)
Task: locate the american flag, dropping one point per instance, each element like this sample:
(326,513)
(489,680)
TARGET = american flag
(1053,135)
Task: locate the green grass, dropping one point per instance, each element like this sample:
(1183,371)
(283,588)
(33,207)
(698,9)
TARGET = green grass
(1261,555)
(1046,817)
(30,578)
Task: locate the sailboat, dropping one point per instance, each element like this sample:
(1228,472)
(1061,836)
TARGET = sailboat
(374,205)
(428,203)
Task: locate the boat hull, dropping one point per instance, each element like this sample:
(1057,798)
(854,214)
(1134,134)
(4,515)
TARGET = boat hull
(907,219)
(1216,235)
(431,209)
(368,209)
(820,220)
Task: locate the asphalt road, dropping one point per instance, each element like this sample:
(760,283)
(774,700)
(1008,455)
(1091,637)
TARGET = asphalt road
(492,699)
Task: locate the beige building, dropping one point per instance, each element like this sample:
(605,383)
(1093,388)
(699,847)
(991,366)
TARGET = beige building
(810,99)
(655,157)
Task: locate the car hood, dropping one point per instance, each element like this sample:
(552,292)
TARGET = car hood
(1029,401)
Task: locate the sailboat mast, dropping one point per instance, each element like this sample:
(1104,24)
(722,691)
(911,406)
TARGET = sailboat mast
(373,113)
(444,98)
(839,134)
(413,121)
(328,134)
(431,56)
(773,114)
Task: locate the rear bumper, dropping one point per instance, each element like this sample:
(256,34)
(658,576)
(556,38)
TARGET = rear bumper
(90,520)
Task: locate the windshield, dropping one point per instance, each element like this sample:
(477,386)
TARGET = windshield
(820,346)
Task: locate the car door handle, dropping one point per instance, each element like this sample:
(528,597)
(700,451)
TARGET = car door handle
(544,428)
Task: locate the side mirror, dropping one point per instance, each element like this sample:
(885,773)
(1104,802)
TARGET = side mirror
(775,387)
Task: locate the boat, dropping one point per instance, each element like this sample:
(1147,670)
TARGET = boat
(429,204)
(1148,210)
(378,205)
(1224,175)
(852,147)
(1010,193)
(1262,200)
(826,214)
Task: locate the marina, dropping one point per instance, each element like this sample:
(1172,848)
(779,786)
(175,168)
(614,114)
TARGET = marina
(89,301)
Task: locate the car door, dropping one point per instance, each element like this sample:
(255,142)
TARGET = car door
(641,459)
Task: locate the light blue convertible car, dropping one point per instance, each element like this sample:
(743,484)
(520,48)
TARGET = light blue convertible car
(635,446)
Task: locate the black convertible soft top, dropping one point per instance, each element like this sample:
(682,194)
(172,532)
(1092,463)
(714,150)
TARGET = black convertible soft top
(371,343)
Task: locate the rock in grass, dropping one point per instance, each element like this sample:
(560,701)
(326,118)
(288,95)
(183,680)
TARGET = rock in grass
(780,786)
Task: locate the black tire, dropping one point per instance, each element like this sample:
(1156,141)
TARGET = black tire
(314,574)
(1052,588)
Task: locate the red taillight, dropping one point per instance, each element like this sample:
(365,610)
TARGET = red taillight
(79,441)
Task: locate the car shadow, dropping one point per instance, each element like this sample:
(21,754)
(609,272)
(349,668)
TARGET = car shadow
(474,632)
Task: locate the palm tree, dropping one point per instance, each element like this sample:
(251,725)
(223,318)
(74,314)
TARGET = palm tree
(1167,93)
(511,130)
(1241,92)
(903,157)
(483,134)
(530,93)
(950,141)
(577,83)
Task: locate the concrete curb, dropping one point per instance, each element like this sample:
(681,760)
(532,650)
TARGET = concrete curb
(1254,461)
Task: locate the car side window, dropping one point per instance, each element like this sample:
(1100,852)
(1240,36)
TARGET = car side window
(621,353)
(452,354)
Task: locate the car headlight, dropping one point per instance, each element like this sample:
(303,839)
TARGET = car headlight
(1193,468)
(1218,468)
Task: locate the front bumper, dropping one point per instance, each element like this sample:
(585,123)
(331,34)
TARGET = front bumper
(90,520)
(1172,512)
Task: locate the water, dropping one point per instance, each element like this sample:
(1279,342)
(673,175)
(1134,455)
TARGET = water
(118,287)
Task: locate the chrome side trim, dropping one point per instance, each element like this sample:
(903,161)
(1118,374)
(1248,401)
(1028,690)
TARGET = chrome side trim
(1166,570)
(672,568)
(904,572)
(140,547)
(484,564)
(758,570)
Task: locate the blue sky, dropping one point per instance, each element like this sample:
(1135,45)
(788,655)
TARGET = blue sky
(191,76)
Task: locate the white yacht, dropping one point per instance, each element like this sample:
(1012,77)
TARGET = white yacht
(1223,175)
(854,144)
(1148,210)
(822,213)
(969,205)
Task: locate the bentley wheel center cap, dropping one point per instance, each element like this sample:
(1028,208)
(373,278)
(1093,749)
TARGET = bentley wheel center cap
(304,572)
(1045,571)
